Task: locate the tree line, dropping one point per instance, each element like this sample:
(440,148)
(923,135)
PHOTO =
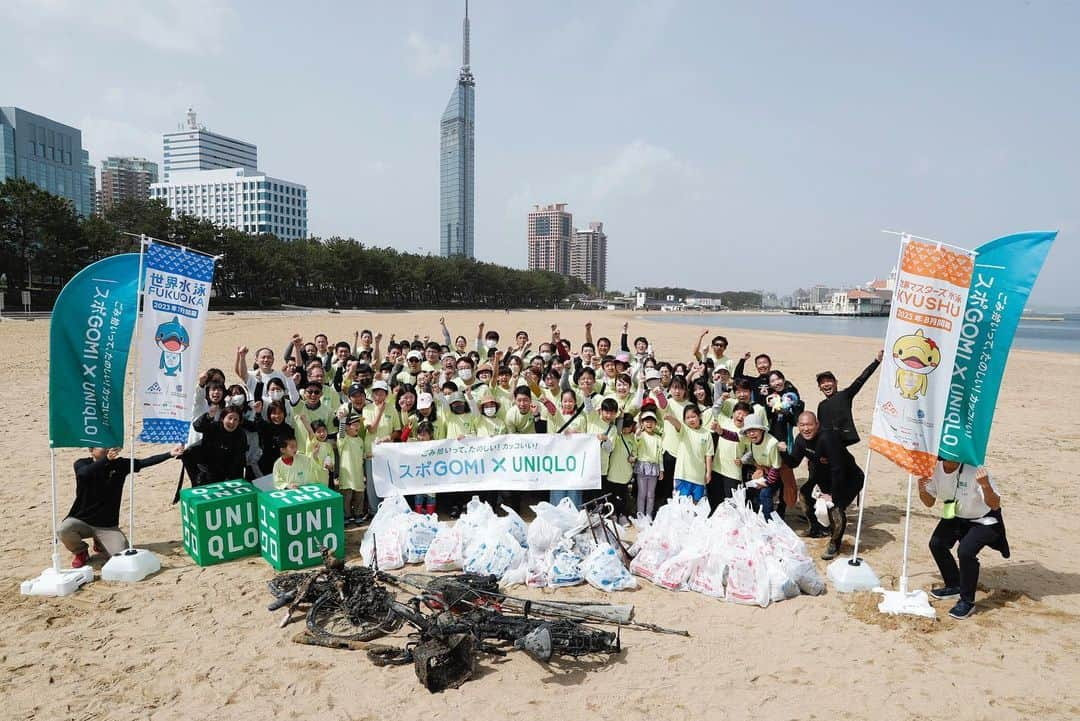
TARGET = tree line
(41,237)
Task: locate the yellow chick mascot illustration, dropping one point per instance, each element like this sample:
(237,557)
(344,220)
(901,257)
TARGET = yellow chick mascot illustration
(915,356)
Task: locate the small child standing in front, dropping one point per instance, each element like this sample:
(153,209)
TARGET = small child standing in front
(424,502)
(321,451)
(293,469)
(649,466)
(621,469)
(350,480)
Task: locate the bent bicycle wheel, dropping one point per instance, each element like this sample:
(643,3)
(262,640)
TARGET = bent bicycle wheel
(328,617)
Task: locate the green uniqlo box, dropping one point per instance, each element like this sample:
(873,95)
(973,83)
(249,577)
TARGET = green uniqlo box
(295,524)
(219,521)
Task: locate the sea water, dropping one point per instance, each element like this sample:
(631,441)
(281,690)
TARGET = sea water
(1061,336)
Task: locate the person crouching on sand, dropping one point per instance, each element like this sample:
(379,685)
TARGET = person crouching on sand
(99,488)
(970,516)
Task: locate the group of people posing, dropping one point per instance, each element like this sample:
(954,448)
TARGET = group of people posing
(702,427)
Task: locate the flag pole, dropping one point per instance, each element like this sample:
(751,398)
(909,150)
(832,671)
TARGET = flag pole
(862,505)
(907,531)
(55,536)
(134,393)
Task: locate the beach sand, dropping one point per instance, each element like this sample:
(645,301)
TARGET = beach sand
(192,643)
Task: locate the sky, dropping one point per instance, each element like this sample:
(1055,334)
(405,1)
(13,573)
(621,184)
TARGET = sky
(725,146)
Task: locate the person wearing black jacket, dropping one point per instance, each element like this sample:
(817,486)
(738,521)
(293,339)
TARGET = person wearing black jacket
(835,477)
(95,513)
(271,430)
(763,363)
(834,411)
(222,454)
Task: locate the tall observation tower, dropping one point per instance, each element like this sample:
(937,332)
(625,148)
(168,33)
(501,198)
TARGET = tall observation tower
(457,178)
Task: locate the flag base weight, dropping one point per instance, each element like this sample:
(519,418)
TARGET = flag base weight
(57,582)
(911,603)
(849,575)
(130,566)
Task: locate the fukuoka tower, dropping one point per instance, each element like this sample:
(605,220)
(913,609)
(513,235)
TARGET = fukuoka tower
(457,179)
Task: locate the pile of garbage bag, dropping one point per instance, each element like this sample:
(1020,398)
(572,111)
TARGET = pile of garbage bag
(734,554)
(557,549)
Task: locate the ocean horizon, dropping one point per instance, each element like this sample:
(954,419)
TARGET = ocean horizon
(1060,336)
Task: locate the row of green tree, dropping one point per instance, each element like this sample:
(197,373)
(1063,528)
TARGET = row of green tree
(42,238)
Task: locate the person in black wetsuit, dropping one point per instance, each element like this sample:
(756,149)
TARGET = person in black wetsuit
(835,478)
(834,411)
(95,513)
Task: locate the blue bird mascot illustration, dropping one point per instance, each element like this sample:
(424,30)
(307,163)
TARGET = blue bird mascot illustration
(172,339)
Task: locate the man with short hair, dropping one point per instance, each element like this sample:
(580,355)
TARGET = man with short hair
(834,411)
(763,364)
(835,479)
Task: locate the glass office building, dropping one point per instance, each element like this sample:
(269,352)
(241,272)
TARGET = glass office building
(48,154)
(456,164)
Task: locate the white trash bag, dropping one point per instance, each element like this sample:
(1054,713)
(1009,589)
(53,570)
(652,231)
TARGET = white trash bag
(604,570)
(446,552)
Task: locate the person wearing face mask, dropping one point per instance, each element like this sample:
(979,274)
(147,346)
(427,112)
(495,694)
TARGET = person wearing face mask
(465,380)
(262,372)
(223,452)
(486,343)
(236,395)
(275,393)
(488,423)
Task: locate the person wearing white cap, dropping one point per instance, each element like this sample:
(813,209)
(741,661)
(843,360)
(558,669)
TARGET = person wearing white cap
(426,411)
(381,426)
(411,373)
(765,455)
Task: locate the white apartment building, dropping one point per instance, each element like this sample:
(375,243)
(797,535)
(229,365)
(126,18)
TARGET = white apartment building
(238,198)
(193,147)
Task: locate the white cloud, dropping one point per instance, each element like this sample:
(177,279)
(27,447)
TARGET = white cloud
(424,56)
(130,121)
(185,26)
(638,169)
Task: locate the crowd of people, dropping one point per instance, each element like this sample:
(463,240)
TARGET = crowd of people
(700,426)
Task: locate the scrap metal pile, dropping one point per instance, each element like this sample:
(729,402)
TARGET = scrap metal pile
(453,619)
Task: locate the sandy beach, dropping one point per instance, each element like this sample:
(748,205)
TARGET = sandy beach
(194,643)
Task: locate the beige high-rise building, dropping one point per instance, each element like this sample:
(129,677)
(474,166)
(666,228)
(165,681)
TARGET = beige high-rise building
(588,256)
(125,178)
(551,228)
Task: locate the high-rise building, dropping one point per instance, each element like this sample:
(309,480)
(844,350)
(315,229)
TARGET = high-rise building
(48,154)
(550,230)
(125,178)
(588,256)
(238,198)
(193,147)
(456,165)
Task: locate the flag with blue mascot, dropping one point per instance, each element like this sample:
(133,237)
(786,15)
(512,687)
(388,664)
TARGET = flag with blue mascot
(176,290)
